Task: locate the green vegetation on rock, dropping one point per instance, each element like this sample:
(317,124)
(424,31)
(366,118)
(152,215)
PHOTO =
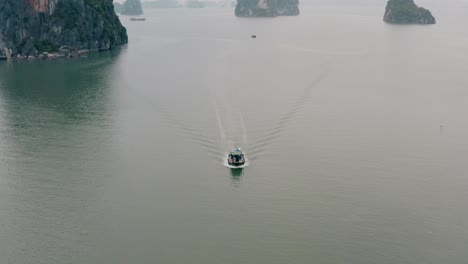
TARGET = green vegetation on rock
(267,8)
(66,26)
(46,46)
(407,12)
(94,19)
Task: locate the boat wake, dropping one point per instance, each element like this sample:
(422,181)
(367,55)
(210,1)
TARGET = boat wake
(233,131)
(259,147)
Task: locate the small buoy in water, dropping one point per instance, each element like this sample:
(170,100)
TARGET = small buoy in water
(254,36)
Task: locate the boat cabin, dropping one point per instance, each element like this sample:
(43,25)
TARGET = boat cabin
(236,157)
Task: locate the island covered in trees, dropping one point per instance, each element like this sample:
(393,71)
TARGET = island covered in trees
(267,8)
(407,12)
(57,28)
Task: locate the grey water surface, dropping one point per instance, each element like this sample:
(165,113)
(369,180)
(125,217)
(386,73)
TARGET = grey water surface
(355,130)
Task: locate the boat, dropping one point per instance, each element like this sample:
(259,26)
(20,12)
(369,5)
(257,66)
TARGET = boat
(137,19)
(253,36)
(236,158)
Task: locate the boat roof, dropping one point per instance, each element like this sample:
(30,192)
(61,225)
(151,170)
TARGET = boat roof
(236,152)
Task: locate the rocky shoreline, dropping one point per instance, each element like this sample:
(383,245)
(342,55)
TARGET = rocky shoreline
(62,53)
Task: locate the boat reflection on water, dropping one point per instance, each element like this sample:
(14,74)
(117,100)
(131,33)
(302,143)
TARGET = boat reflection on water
(236,162)
(236,176)
(237,172)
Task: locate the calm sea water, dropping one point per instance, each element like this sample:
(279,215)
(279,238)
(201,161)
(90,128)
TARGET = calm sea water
(356,133)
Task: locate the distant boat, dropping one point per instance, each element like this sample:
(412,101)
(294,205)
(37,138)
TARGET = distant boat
(137,19)
(254,36)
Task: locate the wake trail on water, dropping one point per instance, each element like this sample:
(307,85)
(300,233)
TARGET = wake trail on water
(220,125)
(232,128)
(260,146)
(244,144)
(187,129)
(234,134)
(224,142)
(244,129)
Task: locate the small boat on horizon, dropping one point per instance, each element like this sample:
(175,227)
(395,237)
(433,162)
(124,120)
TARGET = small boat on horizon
(236,158)
(137,19)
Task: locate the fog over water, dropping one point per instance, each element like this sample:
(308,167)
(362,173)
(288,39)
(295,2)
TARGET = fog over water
(355,131)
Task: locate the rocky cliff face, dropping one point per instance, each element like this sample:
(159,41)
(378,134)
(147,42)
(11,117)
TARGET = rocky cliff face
(41,28)
(132,7)
(407,12)
(267,8)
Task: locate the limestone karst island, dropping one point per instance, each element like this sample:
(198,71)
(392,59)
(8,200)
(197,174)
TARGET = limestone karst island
(131,7)
(32,29)
(267,8)
(57,28)
(407,12)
